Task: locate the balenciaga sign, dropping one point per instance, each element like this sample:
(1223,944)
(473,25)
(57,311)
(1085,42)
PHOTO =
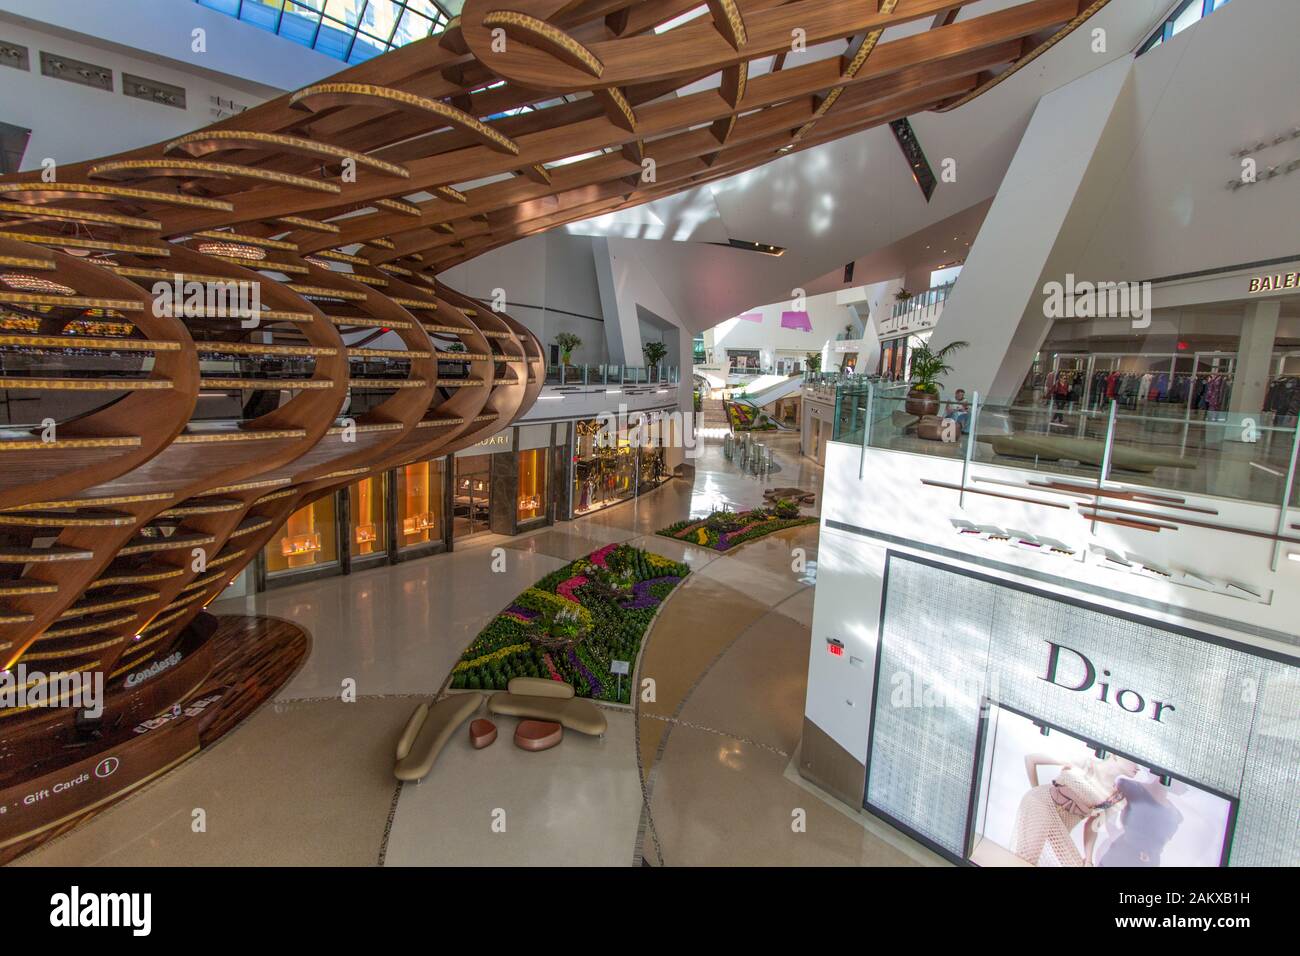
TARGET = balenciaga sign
(1125,698)
(1274,283)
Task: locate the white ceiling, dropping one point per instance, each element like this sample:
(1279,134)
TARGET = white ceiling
(855,198)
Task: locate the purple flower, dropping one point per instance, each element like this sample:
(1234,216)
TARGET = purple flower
(641,596)
(581,668)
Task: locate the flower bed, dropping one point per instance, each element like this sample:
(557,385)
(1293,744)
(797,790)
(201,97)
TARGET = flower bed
(724,530)
(608,628)
(745,418)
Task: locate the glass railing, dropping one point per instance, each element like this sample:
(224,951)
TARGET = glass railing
(612,375)
(832,378)
(1237,455)
(922,300)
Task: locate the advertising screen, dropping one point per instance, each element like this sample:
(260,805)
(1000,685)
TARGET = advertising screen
(1052,799)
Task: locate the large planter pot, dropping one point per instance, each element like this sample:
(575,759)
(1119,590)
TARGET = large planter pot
(922,403)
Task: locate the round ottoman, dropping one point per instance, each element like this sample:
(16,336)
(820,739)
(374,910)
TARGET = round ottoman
(538,734)
(482,733)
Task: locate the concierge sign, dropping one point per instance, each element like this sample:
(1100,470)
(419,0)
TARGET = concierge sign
(1151,724)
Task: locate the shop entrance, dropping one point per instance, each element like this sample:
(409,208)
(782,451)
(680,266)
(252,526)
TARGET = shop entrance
(472,496)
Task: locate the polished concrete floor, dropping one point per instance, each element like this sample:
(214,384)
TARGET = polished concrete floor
(702,774)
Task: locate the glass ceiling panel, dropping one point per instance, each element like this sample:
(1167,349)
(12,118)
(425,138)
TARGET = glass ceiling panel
(349,30)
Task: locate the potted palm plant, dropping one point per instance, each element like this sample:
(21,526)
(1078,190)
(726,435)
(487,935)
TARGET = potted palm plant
(928,366)
(814,362)
(654,353)
(567,342)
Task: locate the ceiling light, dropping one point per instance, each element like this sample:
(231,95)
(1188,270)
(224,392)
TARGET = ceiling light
(28,283)
(232,250)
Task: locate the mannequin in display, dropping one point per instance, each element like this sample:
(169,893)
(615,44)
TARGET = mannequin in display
(1147,823)
(1049,812)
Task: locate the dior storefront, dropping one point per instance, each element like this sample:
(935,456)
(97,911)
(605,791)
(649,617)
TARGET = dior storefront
(1013,727)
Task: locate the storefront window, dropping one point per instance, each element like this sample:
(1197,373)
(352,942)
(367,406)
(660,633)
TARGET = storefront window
(419,503)
(369,532)
(744,361)
(602,474)
(472,496)
(307,540)
(653,469)
(532,484)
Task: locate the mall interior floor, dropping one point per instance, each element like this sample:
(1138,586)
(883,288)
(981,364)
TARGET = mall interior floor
(703,774)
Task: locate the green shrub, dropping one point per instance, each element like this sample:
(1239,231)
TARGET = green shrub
(785,508)
(724,521)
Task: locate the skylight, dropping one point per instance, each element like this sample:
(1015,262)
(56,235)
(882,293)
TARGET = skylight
(349,30)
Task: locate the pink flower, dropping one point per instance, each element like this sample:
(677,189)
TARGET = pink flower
(565,589)
(599,558)
(550,666)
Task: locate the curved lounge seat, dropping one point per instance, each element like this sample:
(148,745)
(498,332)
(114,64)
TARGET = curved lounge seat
(1087,451)
(427,732)
(551,700)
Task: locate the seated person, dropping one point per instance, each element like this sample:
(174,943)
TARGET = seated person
(958,410)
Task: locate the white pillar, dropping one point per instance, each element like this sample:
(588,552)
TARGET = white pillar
(1255,356)
(622,330)
(1040,222)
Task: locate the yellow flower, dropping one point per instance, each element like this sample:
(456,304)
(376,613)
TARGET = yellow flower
(489,658)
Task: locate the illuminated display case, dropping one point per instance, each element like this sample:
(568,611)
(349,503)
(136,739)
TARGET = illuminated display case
(308,540)
(531,504)
(419,504)
(368,534)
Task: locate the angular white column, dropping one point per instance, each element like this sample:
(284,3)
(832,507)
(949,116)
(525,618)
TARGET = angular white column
(622,330)
(1037,226)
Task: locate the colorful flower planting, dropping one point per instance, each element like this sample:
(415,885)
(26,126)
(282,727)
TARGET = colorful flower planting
(744,418)
(572,623)
(724,530)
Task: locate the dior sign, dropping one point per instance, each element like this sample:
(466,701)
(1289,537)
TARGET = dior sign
(1081,682)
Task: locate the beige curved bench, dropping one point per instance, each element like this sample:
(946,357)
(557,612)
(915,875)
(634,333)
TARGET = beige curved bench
(544,699)
(427,731)
(1086,451)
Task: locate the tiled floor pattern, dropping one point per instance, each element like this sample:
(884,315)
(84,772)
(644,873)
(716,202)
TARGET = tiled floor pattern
(308,780)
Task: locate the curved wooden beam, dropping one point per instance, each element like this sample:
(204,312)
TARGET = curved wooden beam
(323,96)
